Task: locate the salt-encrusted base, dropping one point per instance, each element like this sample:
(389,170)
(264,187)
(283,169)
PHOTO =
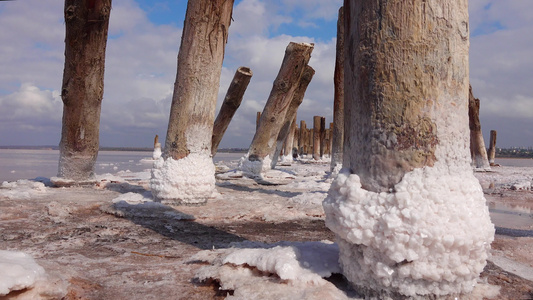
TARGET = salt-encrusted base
(190,180)
(431,235)
(256,168)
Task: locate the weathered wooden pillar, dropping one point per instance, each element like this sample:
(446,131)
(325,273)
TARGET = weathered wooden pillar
(338,98)
(322,136)
(258,158)
(310,141)
(231,103)
(409,215)
(157,148)
(301,138)
(83,87)
(297,99)
(257,119)
(296,137)
(492,147)
(186,174)
(478,152)
(316,137)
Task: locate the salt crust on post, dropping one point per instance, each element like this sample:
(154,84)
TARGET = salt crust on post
(190,180)
(430,235)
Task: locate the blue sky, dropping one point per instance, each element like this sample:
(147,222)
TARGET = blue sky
(141,66)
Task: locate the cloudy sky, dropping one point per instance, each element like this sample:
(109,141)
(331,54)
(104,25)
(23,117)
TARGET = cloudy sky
(144,38)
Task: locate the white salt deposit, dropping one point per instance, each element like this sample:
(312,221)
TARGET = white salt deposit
(309,198)
(190,180)
(18,271)
(431,235)
(157,151)
(21,189)
(299,268)
(255,169)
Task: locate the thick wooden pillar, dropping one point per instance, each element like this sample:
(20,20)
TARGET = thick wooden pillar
(231,103)
(83,87)
(338,98)
(410,217)
(258,159)
(478,152)
(186,174)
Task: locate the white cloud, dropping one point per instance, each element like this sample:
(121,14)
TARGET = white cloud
(501,67)
(141,67)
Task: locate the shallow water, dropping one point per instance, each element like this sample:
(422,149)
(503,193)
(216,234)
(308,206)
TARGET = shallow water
(28,164)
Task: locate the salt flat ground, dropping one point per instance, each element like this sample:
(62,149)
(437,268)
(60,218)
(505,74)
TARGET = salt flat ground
(109,241)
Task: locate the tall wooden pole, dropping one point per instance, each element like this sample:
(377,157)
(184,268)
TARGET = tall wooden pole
(322,136)
(338,99)
(478,152)
(301,138)
(257,119)
(231,103)
(83,87)
(410,217)
(492,147)
(258,159)
(297,99)
(185,173)
(316,136)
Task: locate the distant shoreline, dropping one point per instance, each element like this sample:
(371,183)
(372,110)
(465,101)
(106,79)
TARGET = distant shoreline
(134,149)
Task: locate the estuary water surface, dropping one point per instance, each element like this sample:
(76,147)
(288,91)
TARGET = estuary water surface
(28,164)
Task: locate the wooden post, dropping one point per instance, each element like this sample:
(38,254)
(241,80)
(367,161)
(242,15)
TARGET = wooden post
(186,173)
(409,216)
(301,138)
(257,119)
(82,88)
(310,140)
(297,56)
(297,99)
(492,147)
(316,137)
(231,103)
(322,136)
(296,138)
(295,131)
(337,139)
(157,148)
(478,152)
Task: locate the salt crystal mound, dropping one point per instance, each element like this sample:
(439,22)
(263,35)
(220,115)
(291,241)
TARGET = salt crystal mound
(431,236)
(157,152)
(21,189)
(18,271)
(255,169)
(190,180)
(298,268)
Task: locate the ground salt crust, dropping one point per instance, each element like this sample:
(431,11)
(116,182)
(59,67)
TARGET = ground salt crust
(431,235)
(190,180)
(284,270)
(18,271)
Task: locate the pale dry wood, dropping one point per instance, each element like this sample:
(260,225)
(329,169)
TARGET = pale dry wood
(192,112)
(290,115)
(337,139)
(297,56)
(478,151)
(231,103)
(83,86)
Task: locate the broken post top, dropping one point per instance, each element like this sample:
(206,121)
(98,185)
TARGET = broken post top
(296,57)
